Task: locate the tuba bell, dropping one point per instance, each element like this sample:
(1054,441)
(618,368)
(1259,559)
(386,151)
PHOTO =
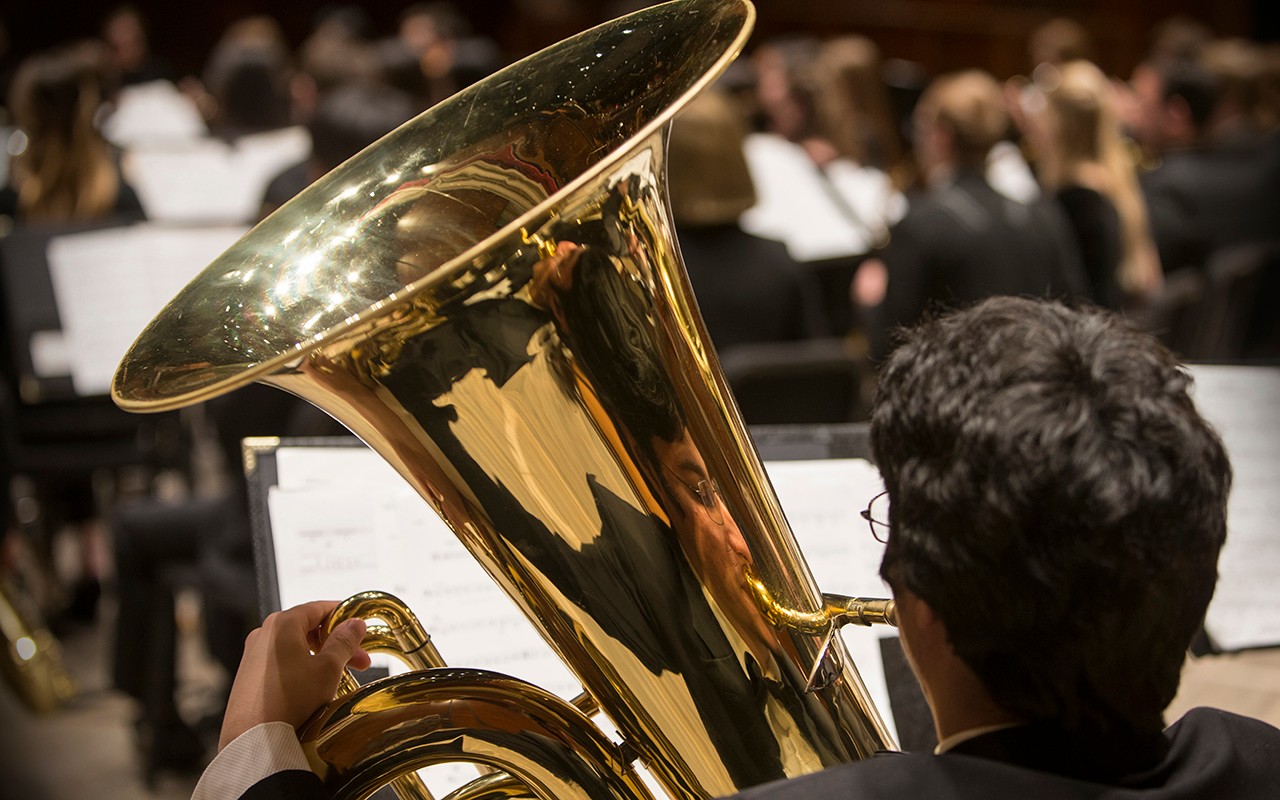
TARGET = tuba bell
(492,298)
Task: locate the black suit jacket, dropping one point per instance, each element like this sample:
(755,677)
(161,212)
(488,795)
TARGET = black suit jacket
(749,289)
(1205,199)
(1206,754)
(963,241)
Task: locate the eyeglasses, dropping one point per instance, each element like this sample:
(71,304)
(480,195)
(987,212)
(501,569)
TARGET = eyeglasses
(877,515)
(707,492)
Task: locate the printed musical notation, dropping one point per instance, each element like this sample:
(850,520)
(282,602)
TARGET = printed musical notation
(342,521)
(1242,402)
(109,284)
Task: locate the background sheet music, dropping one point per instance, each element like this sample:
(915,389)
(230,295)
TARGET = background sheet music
(1243,403)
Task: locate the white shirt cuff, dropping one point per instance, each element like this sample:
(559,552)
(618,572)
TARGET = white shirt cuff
(255,754)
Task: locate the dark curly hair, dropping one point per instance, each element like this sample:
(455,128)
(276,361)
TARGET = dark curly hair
(1059,503)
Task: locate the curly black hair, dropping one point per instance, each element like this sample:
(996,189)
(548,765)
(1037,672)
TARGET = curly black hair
(1058,501)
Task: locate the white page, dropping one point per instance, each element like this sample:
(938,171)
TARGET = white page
(334,541)
(194,182)
(1243,403)
(208,181)
(822,500)
(49,355)
(319,522)
(109,284)
(368,530)
(299,468)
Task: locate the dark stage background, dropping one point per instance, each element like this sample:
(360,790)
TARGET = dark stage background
(939,35)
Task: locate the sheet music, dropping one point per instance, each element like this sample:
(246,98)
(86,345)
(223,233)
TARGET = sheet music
(49,354)
(1243,403)
(371,530)
(109,284)
(208,181)
(822,500)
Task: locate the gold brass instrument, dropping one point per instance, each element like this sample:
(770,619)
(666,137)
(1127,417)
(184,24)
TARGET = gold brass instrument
(492,298)
(32,662)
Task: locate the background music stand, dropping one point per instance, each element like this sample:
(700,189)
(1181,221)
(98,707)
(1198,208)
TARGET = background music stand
(53,436)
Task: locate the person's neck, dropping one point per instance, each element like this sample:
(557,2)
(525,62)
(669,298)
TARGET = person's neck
(961,703)
(958,699)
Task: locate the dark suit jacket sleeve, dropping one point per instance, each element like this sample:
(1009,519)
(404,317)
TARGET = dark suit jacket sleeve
(908,262)
(294,784)
(1067,276)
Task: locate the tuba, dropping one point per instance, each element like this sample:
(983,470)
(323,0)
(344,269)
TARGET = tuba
(492,298)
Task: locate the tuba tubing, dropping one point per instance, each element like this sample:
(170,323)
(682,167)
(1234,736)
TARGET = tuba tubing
(492,298)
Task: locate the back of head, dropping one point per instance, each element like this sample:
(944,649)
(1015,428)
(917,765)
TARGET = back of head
(1178,37)
(56,92)
(1083,112)
(851,101)
(1240,67)
(1058,41)
(970,107)
(708,176)
(425,24)
(248,73)
(1059,503)
(785,103)
(65,171)
(352,116)
(337,51)
(1190,82)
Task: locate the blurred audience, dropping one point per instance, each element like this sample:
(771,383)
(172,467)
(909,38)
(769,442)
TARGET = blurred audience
(63,173)
(64,170)
(349,117)
(128,41)
(1058,41)
(748,288)
(1241,117)
(146,104)
(1203,194)
(961,240)
(1069,117)
(246,85)
(450,55)
(338,50)
(822,164)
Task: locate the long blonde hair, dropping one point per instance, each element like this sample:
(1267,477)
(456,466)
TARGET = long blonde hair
(1084,145)
(66,172)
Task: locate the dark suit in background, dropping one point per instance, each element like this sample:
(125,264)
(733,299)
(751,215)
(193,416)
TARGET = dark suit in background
(749,289)
(1203,199)
(1096,225)
(962,241)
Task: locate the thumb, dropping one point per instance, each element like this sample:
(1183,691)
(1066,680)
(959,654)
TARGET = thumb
(343,645)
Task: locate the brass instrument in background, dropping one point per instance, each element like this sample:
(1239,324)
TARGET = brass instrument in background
(492,298)
(32,661)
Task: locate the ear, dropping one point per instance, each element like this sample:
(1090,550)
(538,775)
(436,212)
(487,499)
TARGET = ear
(914,611)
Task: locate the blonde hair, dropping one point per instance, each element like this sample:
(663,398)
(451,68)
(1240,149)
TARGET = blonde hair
(970,106)
(1086,146)
(851,102)
(709,182)
(66,172)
